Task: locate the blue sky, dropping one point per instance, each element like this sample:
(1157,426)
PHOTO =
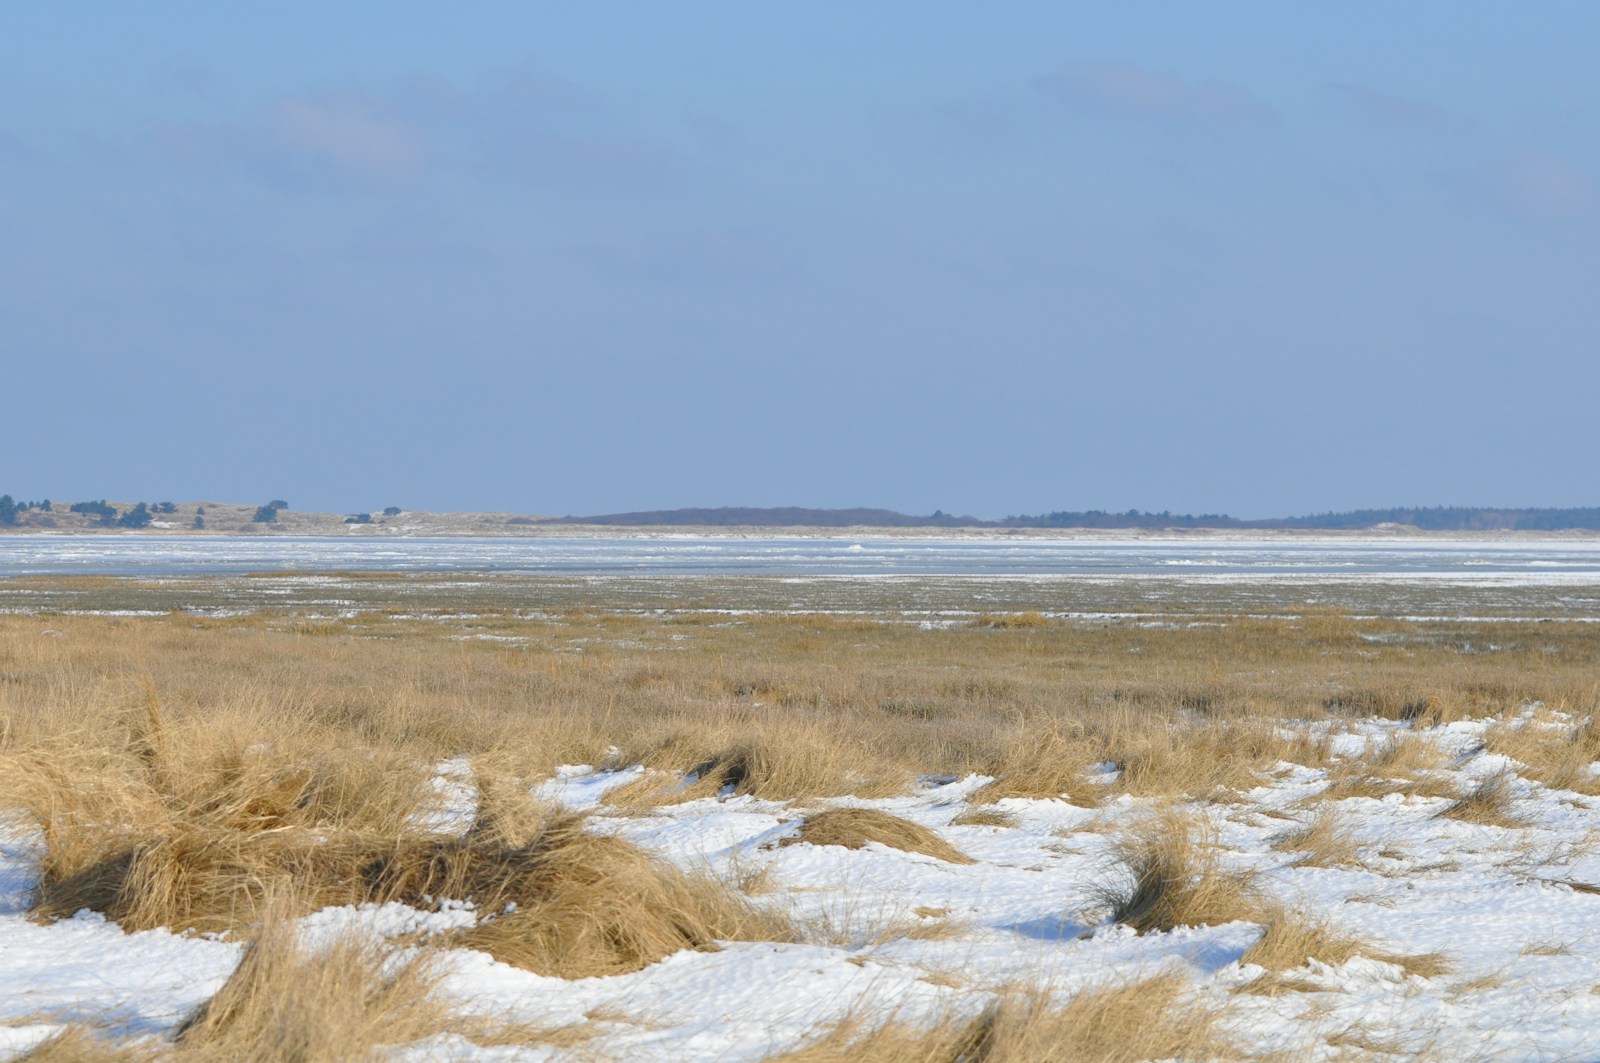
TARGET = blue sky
(577,258)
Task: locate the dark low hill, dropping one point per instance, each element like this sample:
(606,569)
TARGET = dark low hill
(780,516)
(1432,518)
(1454,518)
(1435,518)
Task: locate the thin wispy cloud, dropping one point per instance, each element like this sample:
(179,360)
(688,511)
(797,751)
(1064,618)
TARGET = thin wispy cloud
(1127,91)
(514,126)
(303,141)
(1384,109)
(350,135)
(1548,188)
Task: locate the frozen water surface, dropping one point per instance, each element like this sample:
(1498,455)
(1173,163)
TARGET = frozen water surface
(1518,561)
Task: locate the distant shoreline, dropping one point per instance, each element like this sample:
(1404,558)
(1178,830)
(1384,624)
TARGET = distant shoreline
(245,520)
(441,529)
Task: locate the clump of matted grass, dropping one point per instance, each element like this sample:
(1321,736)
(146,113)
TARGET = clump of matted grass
(353,998)
(148,849)
(344,1002)
(745,754)
(1326,840)
(1038,760)
(1293,938)
(1408,763)
(1157,755)
(855,827)
(569,902)
(1151,1019)
(1174,877)
(1488,803)
(79,1043)
(1558,754)
(985,817)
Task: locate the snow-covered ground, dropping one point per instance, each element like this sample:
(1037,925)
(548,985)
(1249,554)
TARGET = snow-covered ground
(1499,902)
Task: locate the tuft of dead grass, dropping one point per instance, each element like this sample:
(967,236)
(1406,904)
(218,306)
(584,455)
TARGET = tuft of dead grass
(1409,763)
(1175,878)
(984,817)
(1325,841)
(1048,760)
(1151,1019)
(855,827)
(554,897)
(747,754)
(1488,803)
(1199,758)
(567,902)
(1292,938)
(1559,755)
(346,1002)
(78,1043)
(352,999)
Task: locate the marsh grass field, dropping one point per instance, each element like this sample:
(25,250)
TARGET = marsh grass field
(480,818)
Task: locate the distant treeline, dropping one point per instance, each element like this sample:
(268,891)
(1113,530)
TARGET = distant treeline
(781,516)
(1433,518)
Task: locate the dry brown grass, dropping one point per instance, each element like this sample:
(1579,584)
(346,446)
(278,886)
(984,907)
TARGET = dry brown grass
(855,827)
(984,817)
(1407,763)
(184,768)
(1047,759)
(82,1044)
(740,753)
(786,707)
(345,1002)
(1152,1019)
(1325,841)
(1174,877)
(571,903)
(1488,803)
(353,999)
(1294,937)
(1557,754)
(144,841)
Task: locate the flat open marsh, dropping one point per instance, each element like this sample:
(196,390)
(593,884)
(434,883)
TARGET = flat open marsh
(469,817)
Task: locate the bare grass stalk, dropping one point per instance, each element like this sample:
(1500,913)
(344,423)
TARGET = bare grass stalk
(1488,803)
(1325,841)
(1152,1019)
(1294,937)
(855,827)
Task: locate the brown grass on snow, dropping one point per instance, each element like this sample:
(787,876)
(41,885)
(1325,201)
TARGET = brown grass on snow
(1048,759)
(984,817)
(571,903)
(1152,1019)
(1294,937)
(342,1003)
(1175,878)
(855,827)
(1561,756)
(1325,841)
(79,1043)
(352,1000)
(155,849)
(1488,803)
(1408,763)
(349,1000)
(745,754)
